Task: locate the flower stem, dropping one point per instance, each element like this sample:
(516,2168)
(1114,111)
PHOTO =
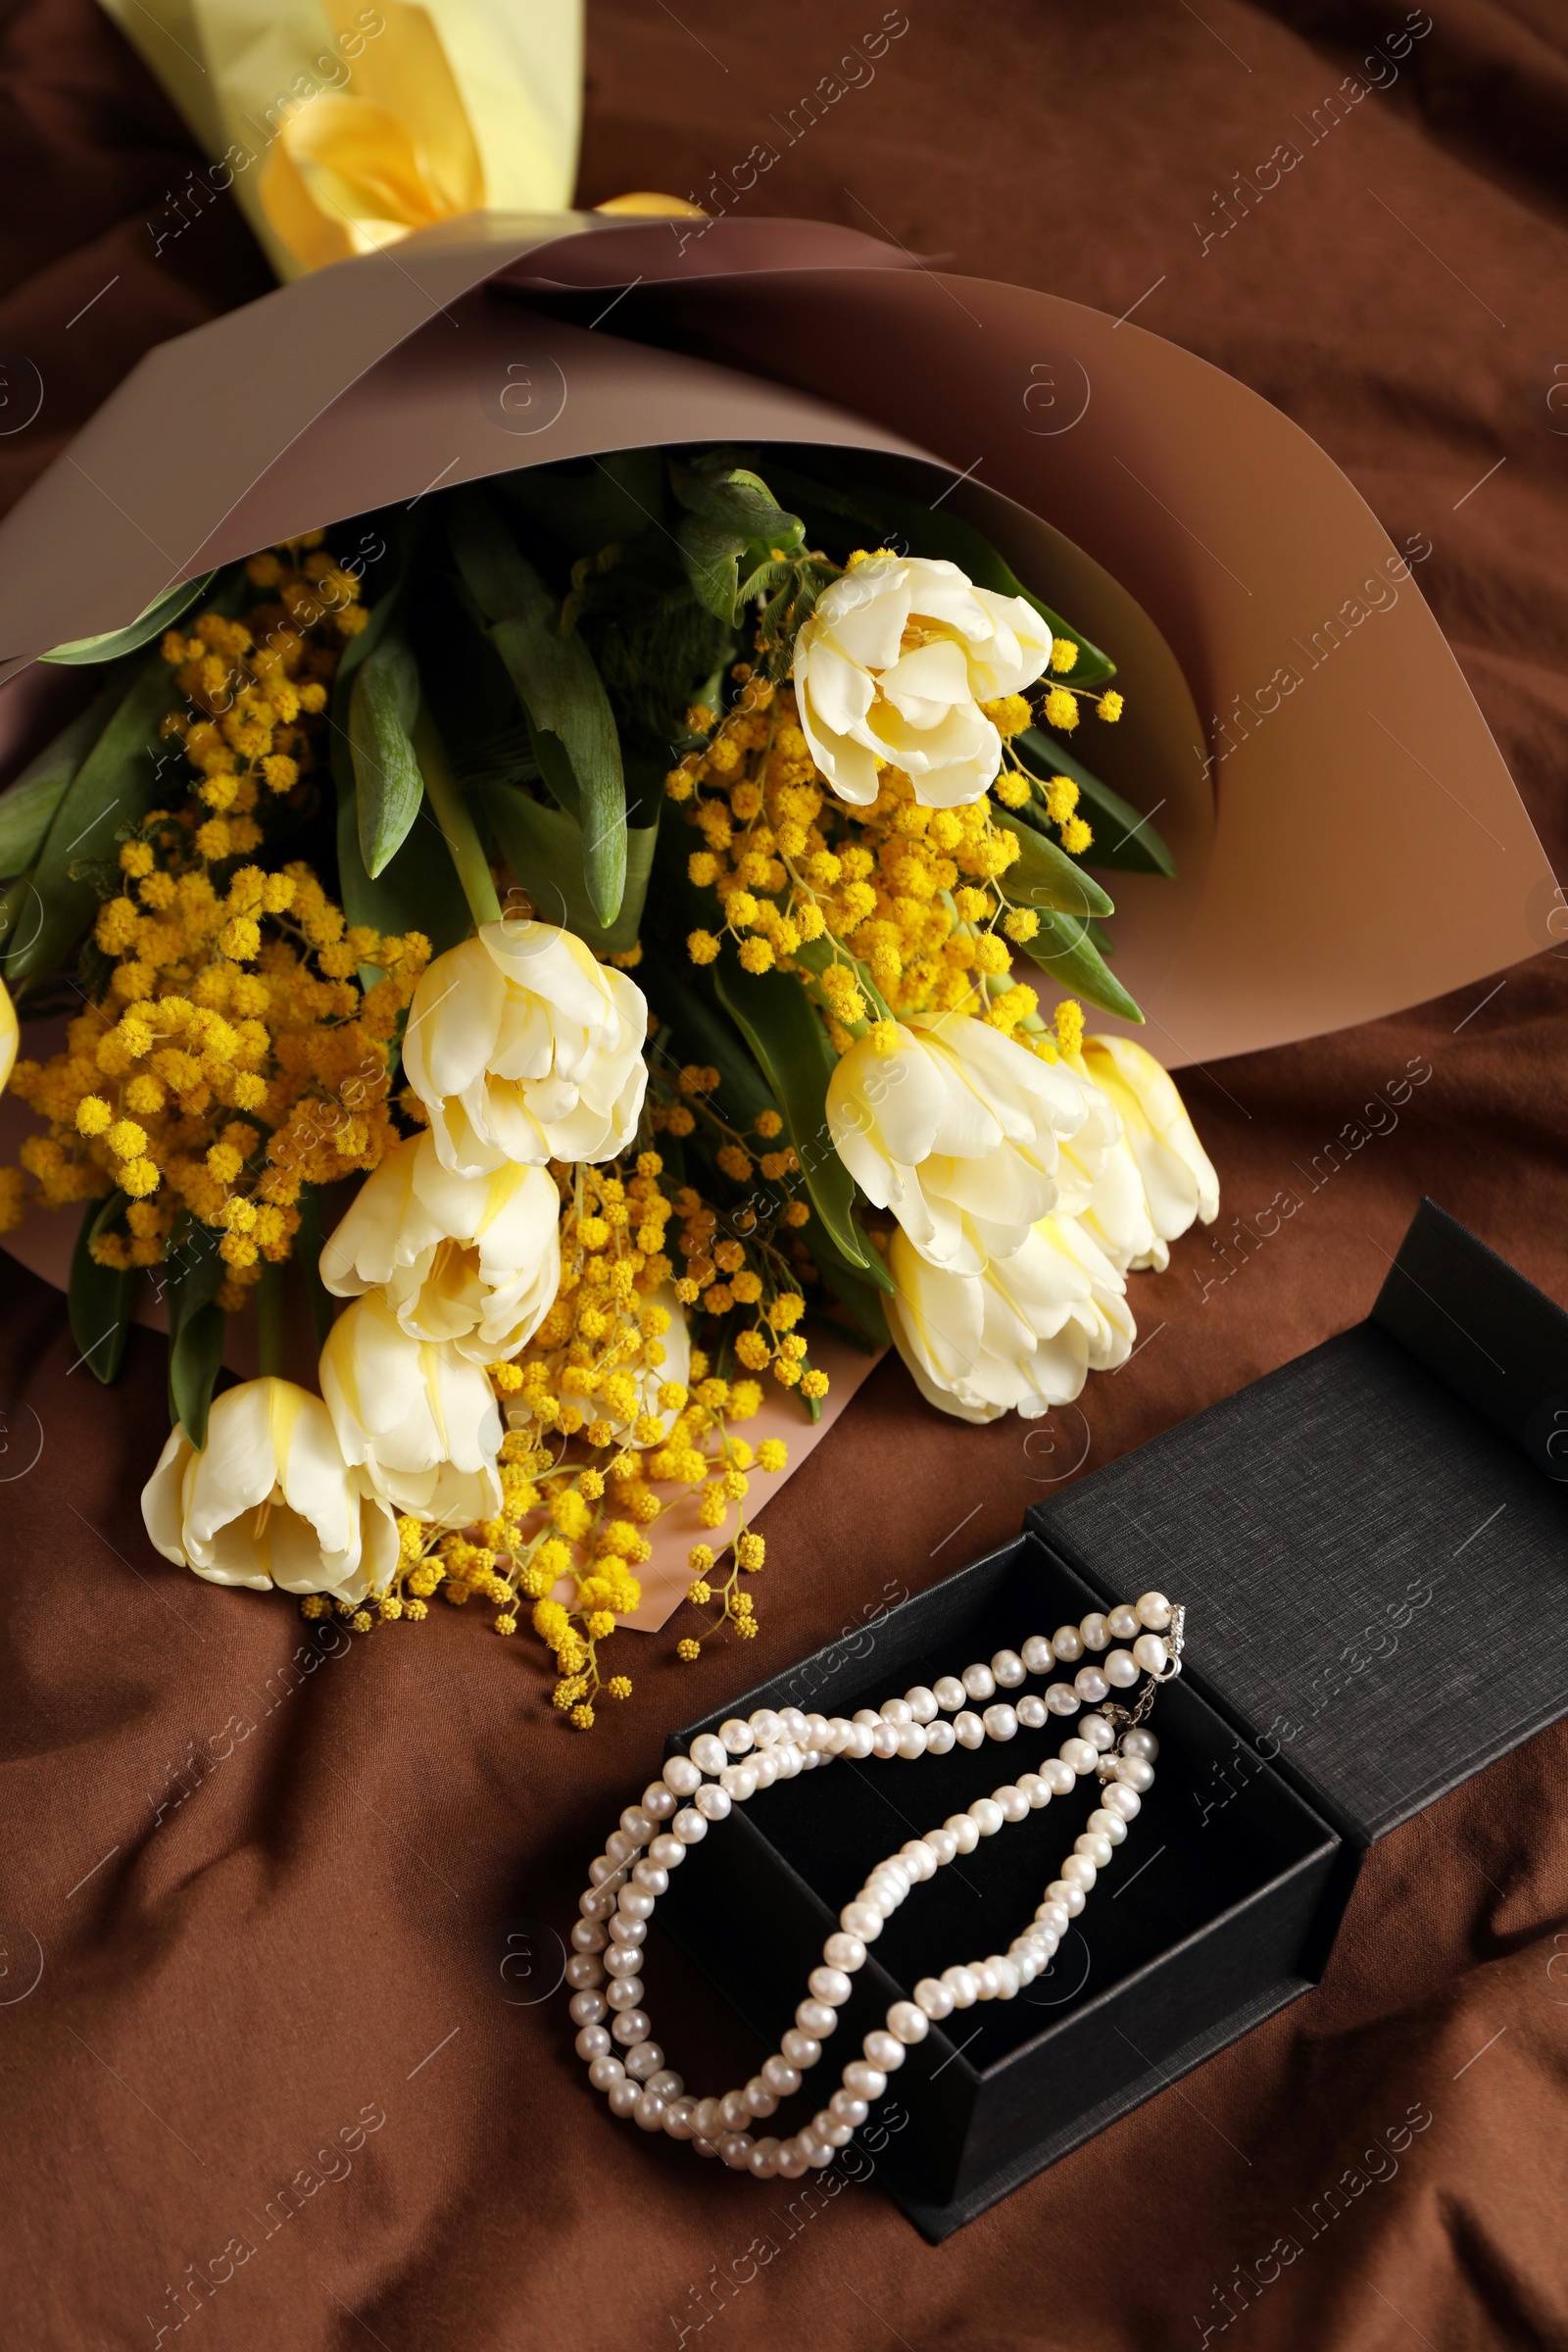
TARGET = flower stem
(458,827)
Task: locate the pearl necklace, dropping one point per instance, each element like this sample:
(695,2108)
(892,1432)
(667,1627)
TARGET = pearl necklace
(728,1767)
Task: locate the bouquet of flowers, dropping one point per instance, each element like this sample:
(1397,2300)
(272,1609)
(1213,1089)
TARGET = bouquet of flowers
(381,832)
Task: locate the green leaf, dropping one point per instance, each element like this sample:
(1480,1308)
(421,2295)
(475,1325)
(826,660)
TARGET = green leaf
(195,1325)
(557,684)
(544,848)
(619,496)
(734,499)
(854,1291)
(27,805)
(1042,875)
(779,1022)
(732,515)
(1066,955)
(307,1257)
(151,621)
(1124,842)
(701,1032)
(113,786)
(383,703)
(98,1297)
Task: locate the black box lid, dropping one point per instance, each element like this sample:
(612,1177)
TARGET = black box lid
(1372,1539)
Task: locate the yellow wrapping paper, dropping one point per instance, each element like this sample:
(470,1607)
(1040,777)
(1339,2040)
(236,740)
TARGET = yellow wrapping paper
(342,127)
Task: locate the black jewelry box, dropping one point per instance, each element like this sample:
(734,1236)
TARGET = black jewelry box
(1371,1543)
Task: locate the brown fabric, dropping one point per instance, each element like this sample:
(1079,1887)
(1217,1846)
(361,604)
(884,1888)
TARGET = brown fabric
(307,1952)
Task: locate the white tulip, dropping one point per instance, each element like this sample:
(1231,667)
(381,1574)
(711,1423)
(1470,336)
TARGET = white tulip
(268,1500)
(417,1419)
(956,1131)
(1023,1334)
(522,1048)
(1172,1171)
(892,667)
(473,1259)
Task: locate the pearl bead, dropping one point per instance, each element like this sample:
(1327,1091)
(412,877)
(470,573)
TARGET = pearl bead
(819,2018)
(735,2111)
(1062,1698)
(912,1739)
(1005,1972)
(681,1776)
(934,1998)
(1079,1872)
(623,2096)
(979,1682)
(651,1878)
(883,2049)
(667,1851)
(762,2159)
(866,2080)
(987,1816)
(713,1802)
(1001,1723)
(786,1761)
(649,2112)
(962,1831)
(942,1844)
(1109,1826)
(858,1747)
(862,1920)
(1094,1849)
(1036,1792)
(828,2131)
(1141,1744)
(794,2159)
(1098,1731)
(1059,1777)
(1092,1630)
(1124,1622)
(708,1753)
(845,1949)
(1068,1893)
(985,1979)
(1090,1684)
(909,2021)
(961,1985)
(830,1986)
(1067,1643)
(736,2150)
(588,2008)
(1121,1669)
(637,1823)
(924,1704)
(1053,1915)
(897,1711)
(588,1935)
(620,1847)
(792,1723)
(598,1902)
(689,1826)
(666,2083)
(1010,1802)
(631,2027)
(757,2099)
(606,2071)
(679,2118)
(968,1729)
(627,1992)
(736,1735)
(1008,1669)
(764,1726)
(849,2107)
(1135,1772)
(817,1735)
(938,1739)
(1150,1652)
(583,1969)
(802,2049)
(709,2118)
(1080,1755)
(1045,1940)
(624,1961)
(592,2042)
(659,1801)
(1032,1712)
(738,1782)
(1153,1610)
(884,1741)
(949,1692)
(919,1854)
(1126,1802)
(636,1903)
